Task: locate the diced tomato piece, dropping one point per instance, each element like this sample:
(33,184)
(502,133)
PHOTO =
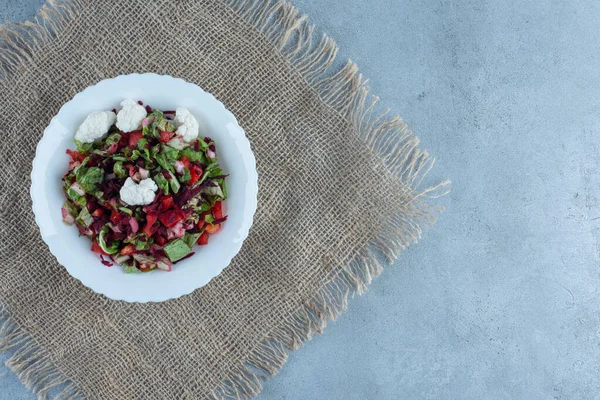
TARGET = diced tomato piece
(211,229)
(161,241)
(217,210)
(149,228)
(99,212)
(75,155)
(203,239)
(171,218)
(128,250)
(201,224)
(134,137)
(165,136)
(166,202)
(97,249)
(195,173)
(151,218)
(186,161)
(115,217)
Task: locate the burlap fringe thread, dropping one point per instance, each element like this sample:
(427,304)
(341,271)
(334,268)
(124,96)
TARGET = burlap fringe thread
(346,92)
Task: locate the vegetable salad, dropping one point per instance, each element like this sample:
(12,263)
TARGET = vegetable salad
(145,198)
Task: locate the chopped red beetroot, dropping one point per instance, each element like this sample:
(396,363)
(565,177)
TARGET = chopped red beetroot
(219,177)
(220,220)
(187,194)
(162,231)
(148,109)
(105,262)
(151,207)
(91,204)
(160,240)
(124,142)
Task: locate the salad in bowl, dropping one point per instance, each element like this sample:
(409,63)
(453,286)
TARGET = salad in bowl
(143,186)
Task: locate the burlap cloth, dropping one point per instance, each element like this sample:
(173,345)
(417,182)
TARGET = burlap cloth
(337,185)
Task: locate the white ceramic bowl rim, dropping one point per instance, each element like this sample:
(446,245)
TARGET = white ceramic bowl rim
(234,154)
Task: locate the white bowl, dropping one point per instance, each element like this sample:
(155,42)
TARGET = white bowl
(73,251)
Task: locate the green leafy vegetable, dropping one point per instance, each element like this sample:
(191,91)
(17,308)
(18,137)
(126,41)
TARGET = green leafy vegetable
(119,171)
(84,147)
(110,249)
(174,183)
(213,191)
(162,182)
(186,175)
(161,159)
(191,238)
(126,210)
(142,245)
(141,144)
(171,153)
(177,249)
(113,139)
(89,178)
(223,187)
(84,217)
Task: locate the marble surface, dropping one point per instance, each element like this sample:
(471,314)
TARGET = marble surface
(500,298)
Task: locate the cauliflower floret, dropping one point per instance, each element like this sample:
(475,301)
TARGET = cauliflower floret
(95,126)
(131,116)
(187,125)
(138,194)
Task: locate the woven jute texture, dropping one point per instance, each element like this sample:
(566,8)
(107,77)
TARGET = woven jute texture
(338,185)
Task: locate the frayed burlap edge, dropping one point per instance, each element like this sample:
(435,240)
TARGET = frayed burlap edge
(343,90)
(31,362)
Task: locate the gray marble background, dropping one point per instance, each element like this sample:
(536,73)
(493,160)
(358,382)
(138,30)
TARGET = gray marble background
(500,298)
